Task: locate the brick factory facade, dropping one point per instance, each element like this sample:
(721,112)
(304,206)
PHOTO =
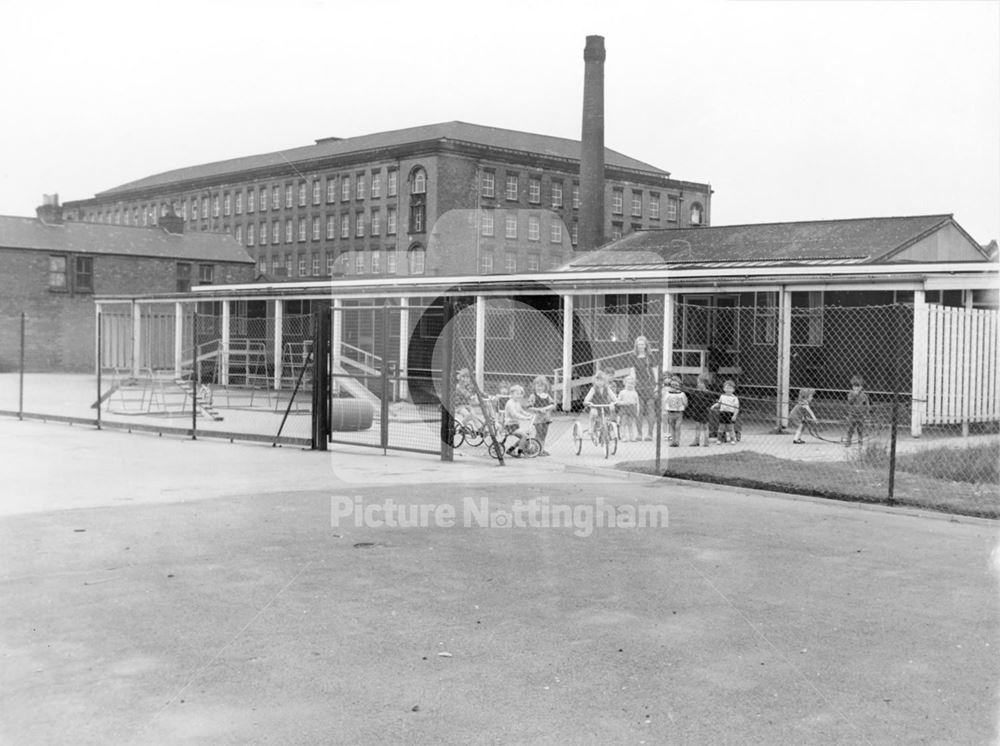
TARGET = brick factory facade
(442,199)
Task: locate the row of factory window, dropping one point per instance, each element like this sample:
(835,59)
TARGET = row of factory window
(378,262)
(257,199)
(512,193)
(358,225)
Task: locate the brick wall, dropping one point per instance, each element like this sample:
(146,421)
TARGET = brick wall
(60,326)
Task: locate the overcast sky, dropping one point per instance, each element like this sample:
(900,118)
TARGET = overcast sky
(791,110)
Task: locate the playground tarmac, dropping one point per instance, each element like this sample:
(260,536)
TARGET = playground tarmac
(158,590)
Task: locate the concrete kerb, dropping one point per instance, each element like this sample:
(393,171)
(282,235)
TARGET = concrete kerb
(853,504)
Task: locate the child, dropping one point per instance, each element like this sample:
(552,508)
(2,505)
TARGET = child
(858,410)
(542,404)
(800,411)
(463,397)
(518,420)
(501,398)
(601,394)
(675,402)
(612,383)
(628,410)
(729,408)
(699,406)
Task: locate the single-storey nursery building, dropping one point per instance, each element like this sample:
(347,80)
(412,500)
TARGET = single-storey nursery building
(909,303)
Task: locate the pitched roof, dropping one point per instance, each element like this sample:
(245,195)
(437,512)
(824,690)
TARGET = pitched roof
(851,241)
(454,131)
(98,238)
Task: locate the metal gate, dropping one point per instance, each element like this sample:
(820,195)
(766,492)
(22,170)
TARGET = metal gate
(366,381)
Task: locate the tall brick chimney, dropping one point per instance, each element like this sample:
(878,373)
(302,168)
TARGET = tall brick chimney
(592,147)
(50,211)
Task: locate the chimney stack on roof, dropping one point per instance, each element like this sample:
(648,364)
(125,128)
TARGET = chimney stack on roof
(171,222)
(592,147)
(50,211)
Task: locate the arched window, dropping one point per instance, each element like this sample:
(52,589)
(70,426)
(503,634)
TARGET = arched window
(418,181)
(696,213)
(415,259)
(418,200)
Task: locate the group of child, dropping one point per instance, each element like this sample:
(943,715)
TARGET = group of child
(858,410)
(698,404)
(715,415)
(529,416)
(519,414)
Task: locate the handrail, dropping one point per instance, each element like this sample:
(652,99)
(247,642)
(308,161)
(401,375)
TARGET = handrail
(365,355)
(203,356)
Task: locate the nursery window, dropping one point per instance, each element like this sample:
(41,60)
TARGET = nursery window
(807,318)
(765,318)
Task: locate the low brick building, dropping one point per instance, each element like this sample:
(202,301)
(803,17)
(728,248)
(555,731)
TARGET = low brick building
(50,271)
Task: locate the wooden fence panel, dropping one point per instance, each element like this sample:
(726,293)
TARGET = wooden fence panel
(962,360)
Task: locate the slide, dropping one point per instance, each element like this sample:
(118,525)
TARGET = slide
(353,387)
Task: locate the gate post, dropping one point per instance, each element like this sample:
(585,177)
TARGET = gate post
(320,379)
(447,363)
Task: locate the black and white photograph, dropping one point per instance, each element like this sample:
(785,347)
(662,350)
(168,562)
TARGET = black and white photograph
(500,373)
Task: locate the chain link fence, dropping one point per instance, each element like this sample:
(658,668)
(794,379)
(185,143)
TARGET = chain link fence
(830,414)
(831,392)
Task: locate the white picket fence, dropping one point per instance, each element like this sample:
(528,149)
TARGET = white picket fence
(961,366)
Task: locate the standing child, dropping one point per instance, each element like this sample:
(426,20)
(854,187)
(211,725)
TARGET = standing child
(800,411)
(675,402)
(699,405)
(599,394)
(542,404)
(628,409)
(729,409)
(518,420)
(858,410)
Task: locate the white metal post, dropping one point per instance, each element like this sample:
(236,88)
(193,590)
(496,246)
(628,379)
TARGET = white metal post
(97,350)
(136,339)
(336,342)
(784,354)
(918,386)
(404,347)
(224,344)
(480,342)
(279,330)
(567,354)
(178,337)
(667,350)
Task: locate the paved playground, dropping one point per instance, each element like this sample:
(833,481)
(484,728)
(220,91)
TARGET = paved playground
(157,590)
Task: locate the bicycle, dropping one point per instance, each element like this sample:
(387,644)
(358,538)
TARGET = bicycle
(509,442)
(474,436)
(606,433)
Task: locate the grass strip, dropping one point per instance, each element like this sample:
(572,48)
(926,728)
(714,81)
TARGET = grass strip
(836,481)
